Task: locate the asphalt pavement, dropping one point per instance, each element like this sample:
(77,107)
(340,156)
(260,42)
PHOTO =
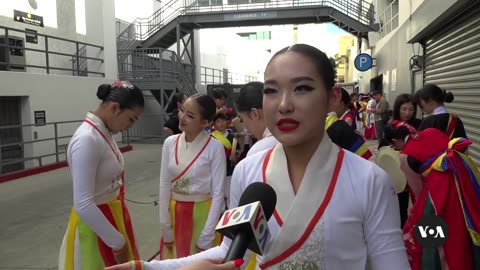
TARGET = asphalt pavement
(34,211)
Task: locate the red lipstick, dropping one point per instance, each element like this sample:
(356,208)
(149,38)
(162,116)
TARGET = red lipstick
(287,124)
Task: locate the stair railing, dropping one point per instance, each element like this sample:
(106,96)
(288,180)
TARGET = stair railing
(145,63)
(183,79)
(142,28)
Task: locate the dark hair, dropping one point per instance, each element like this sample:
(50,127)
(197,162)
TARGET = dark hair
(433,92)
(219,93)
(376,93)
(346,99)
(319,59)
(390,133)
(207,105)
(122,92)
(173,104)
(220,116)
(250,96)
(399,101)
(353,95)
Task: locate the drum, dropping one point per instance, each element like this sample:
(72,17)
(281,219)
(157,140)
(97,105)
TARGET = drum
(389,160)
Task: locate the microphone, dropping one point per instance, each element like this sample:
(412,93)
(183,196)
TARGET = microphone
(247,224)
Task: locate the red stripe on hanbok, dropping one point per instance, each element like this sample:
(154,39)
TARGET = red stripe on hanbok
(105,251)
(183,228)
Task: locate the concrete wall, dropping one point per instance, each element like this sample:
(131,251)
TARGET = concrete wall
(96,25)
(394,51)
(150,125)
(59,23)
(394,57)
(101,30)
(64,98)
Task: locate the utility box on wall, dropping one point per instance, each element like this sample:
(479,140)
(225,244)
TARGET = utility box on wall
(16,56)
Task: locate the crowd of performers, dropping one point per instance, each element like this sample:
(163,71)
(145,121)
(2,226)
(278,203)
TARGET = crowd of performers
(304,136)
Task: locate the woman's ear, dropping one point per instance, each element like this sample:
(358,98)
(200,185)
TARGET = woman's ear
(255,113)
(334,98)
(398,144)
(205,123)
(114,107)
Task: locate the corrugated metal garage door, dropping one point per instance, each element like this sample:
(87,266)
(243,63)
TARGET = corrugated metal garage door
(453,62)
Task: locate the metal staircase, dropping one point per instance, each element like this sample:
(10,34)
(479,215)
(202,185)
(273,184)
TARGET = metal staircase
(157,70)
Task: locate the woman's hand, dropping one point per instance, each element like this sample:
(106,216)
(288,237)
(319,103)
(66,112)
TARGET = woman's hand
(234,157)
(167,235)
(202,246)
(121,256)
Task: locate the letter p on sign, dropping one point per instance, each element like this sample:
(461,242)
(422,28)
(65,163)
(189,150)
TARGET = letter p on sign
(363,62)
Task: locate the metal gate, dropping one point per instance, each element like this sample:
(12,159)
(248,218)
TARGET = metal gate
(10,115)
(452,61)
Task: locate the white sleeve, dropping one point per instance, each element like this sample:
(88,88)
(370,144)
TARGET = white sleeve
(165,192)
(83,159)
(218,252)
(218,165)
(383,235)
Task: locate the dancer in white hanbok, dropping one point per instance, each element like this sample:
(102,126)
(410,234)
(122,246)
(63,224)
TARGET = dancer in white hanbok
(369,132)
(249,106)
(334,209)
(192,179)
(100,232)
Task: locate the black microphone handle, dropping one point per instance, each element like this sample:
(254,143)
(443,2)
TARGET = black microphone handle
(238,247)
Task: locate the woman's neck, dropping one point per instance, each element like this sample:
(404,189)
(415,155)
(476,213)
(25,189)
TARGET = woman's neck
(298,157)
(190,136)
(438,108)
(100,114)
(259,136)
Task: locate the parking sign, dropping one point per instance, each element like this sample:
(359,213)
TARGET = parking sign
(363,62)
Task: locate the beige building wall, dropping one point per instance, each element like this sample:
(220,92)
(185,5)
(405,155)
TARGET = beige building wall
(345,65)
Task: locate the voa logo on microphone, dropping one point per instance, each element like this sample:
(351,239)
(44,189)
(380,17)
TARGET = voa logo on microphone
(431,231)
(251,216)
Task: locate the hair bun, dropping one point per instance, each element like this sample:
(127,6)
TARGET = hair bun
(103,91)
(447,96)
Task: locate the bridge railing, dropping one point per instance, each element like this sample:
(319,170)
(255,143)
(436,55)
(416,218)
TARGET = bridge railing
(143,28)
(359,10)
